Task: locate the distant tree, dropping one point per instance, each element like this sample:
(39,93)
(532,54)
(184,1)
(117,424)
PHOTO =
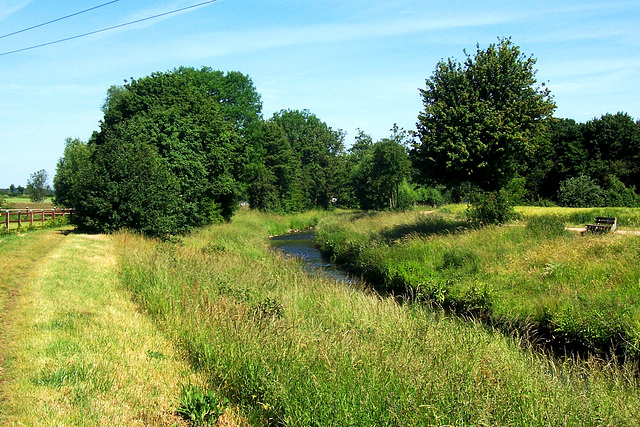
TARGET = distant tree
(362,143)
(481,118)
(37,187)
(276,182)
(317,147)
(612,145)
(72,173)
(380,175)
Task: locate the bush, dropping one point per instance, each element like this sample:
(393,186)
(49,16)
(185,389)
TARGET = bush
(406,197)
(487,208)
(429,196)
(580,192)
(619,195)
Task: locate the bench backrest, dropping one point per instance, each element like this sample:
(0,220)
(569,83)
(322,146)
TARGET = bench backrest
(605,220)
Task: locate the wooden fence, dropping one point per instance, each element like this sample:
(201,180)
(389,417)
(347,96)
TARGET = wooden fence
(31,216)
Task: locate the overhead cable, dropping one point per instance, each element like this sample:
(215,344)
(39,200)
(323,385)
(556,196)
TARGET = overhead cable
(109,28)
(58,19)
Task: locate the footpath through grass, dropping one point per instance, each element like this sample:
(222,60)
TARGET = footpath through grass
(535,279)
(291,349)
(76,350)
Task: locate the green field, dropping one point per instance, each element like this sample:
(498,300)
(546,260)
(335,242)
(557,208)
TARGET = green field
(249,335)
(25,202)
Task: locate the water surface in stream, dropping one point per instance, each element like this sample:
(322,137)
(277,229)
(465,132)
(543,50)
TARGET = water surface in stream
(301,245)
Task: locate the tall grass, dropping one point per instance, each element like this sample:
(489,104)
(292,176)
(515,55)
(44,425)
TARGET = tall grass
(293,349)
(570,289)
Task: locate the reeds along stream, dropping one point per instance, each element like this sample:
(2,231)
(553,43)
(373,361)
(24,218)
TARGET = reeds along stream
(301,245)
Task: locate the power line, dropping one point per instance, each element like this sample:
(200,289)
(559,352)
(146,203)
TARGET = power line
(109,28)
(58,19)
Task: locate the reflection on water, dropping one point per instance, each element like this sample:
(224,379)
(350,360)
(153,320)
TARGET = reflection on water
(300,245)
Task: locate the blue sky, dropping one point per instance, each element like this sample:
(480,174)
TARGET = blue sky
(355,64)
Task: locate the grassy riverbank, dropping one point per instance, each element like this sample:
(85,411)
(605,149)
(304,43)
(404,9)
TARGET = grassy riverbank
(288,348)
(534,279)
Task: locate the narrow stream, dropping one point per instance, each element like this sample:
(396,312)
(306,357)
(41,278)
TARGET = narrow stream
(300,245)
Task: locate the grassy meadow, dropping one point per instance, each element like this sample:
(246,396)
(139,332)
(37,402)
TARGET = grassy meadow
(287,348)
(25,202)
(128,330)
(532,277)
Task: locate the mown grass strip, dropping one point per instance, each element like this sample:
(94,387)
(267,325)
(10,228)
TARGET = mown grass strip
(79,352)
(292,349)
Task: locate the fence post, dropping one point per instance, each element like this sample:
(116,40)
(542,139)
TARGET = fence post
(53,213)
(31,216)
(19,219)
(42,219)
(6,218)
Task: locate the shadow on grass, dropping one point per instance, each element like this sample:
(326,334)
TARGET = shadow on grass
(425,227)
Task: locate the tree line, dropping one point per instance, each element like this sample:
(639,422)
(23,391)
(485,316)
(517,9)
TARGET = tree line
(180,149)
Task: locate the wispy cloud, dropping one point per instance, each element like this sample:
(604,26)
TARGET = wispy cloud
(9,7)
(222,43)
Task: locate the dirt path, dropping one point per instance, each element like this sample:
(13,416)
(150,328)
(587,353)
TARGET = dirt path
(583,229)
(77,350)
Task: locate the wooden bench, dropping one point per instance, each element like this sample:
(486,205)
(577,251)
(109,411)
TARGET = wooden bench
(603,224)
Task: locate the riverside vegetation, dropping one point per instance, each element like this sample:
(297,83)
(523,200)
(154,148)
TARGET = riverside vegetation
(287,348)
(575,292)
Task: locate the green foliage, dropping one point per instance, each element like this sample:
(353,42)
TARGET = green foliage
(169,156)
(72,173)
(481,118)
(619,195)
(487,208)
(381,175)
(317,148)
(276,183)
(200,407)
(580,192)
(37,187)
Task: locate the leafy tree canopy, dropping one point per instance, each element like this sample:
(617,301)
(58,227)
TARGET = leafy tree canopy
(168,154)
(37,187)
(317,147)
(481,118)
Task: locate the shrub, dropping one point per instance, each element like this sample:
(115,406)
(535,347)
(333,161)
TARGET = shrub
(406,197)
(486,207)
(620,195)
(580,192)
(429,196)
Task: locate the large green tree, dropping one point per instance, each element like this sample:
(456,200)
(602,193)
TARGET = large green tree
(481,118)
(166,158)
